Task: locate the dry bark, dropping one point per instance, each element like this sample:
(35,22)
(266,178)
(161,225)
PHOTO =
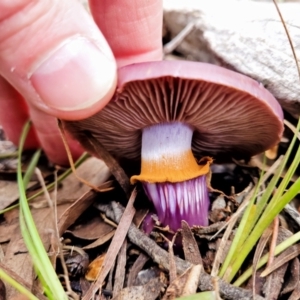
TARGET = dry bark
(247,36)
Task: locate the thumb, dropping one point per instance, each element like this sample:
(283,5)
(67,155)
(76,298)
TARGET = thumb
(54,55)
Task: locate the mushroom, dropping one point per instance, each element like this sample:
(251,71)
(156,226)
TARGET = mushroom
(171,113)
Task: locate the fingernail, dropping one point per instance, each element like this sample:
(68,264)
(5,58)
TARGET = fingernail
(75,76)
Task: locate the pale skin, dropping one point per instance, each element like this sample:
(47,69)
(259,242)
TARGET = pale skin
(56,61)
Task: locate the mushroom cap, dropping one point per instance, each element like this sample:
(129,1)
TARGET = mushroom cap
(232,115)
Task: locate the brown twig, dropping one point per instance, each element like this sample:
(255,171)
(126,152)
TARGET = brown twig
(172,273)
(174,43)
(117,241)
(120,270)
(282,259)
(273,241)
(160,256)
(288,36)
(136,268)
(111,163)
(292,128)
(258,253)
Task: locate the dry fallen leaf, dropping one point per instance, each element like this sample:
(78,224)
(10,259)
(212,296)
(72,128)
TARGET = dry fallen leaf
(149,291)
(71,214)
(16,256)
(296,293)
(292,280)
(190,246)
(92,170)
(93,229)
(120,269)
(94,268)
(275,280)
(9,193)
(100,241)
(186,284)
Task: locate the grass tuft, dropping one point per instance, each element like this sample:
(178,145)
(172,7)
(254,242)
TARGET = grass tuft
(260,213)
(42,264)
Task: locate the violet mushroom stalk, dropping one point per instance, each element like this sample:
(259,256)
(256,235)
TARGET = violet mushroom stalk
(169,115)
(171,177)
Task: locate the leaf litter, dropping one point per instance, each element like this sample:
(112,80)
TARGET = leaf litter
(91,227)
(16,256)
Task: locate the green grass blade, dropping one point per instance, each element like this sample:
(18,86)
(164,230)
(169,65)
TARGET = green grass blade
(282,187)
(244,228)
(264,259)
(238,237)
(260,205)
(17,285)
(32,240)
(33,253)
(274,207)
(262,224)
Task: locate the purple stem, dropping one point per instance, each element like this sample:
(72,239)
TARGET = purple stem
(187,200)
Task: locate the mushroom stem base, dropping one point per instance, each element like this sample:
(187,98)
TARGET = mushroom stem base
(187,200)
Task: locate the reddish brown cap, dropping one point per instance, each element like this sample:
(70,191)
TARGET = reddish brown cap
(232,115)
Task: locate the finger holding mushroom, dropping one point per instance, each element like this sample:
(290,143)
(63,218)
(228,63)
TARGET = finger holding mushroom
(168,114)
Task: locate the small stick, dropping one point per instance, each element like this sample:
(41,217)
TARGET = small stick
(273,241)
(292,128)
(288,36)
(176,41)
(117,241)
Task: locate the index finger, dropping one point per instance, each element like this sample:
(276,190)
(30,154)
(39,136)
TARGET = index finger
(133,28)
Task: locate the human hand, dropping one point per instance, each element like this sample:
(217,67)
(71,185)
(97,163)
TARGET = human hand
(56,63)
